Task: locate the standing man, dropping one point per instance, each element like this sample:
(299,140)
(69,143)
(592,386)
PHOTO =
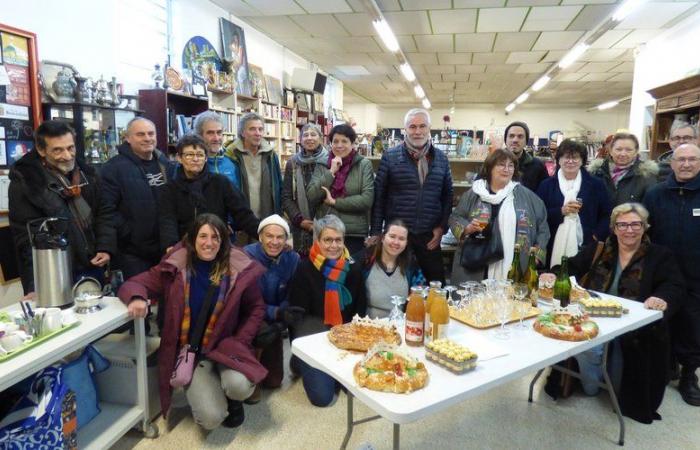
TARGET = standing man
(50,182)
(674,211)
(210,128)
(532,170)
(681,133)
(132,183)
(414,184)
(258,167)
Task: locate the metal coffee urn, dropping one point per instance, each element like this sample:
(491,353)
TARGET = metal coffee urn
(53,278)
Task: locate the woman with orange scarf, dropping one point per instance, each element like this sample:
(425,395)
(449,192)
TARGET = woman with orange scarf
(330,287)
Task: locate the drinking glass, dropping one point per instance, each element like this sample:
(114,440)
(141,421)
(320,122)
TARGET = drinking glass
(481,214)
(522,304)
(396,316)
(503,310)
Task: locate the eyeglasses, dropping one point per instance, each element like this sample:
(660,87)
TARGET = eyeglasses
(193,156)
(330,241)
(505,166)
(682,138)
(691,160)
(634,226)
(574,159)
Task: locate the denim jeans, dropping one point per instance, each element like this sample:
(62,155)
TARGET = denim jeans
(319,386)
(590,364)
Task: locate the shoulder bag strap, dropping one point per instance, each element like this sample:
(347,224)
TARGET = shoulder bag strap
(204,314)
(598,251)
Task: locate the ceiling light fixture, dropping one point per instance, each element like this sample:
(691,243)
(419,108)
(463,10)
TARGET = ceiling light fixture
(386,34)
(420,93)
(608,105)
(522,97)
(426,103)
(510,107)
(542,82)
(573,55)
(407,72)
(626,9)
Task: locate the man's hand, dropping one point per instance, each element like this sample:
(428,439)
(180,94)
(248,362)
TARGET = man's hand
(372,240)
(307,225)
(138,307)
(336,164)
(290,314)
(655,303)
(100,259)
(329,198)
(435,241)
(30,296)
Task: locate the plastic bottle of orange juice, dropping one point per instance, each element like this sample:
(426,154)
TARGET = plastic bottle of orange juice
(415,317)
(434,286)
(439,315)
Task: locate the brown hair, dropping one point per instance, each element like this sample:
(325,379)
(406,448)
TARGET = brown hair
(403,260)
(571,147)
(494,158)
(191,140)
(222,256)
(620,136)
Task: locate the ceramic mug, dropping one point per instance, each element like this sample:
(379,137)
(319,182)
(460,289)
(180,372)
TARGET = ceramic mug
(68,317)
(14,340)
(53,320)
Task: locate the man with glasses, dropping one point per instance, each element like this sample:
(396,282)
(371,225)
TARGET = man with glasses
(681,133)
(414,184)
(50,182)
(674,208)
(133,181)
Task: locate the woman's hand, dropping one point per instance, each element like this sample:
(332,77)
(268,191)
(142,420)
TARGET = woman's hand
(572,207)
(655,303)
(138,307)
(329,198)
(336,164)
(473,227)
(307,225)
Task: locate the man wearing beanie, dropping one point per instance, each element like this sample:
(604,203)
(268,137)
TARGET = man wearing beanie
(280,262)
(532,170)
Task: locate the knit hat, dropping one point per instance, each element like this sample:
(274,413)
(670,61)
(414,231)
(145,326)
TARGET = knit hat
(274,219)
(522,125)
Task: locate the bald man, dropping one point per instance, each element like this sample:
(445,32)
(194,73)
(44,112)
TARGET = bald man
(132,183)
(674,208)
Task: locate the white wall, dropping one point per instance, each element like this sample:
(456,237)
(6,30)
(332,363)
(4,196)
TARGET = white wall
(671,56)
(364,115)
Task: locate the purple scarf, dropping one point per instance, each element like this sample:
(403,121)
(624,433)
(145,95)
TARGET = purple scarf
(338,186)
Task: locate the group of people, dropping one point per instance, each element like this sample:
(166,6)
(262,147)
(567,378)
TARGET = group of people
(207,239)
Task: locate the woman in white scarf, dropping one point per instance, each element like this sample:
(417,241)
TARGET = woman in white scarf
(520,216)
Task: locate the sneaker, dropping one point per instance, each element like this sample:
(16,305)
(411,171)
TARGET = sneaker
(236,415)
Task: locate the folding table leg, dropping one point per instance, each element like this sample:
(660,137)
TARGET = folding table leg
(613,397)
(397,431)
(532,384)
(351,421)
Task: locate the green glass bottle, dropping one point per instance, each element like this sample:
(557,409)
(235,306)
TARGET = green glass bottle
(531,278)
(562,287)
(515,274)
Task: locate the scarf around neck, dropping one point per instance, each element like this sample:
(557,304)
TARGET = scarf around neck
(506,223)
(617,172)
(69,187)
(341,176)
(569,235)
(301,159)
(336,296)
(420,156)
(187,315)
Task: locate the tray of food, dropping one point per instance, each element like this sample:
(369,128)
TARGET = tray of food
(454,357)
(598,307)
(487,318)
(388,368)
(360,334)
(566,324)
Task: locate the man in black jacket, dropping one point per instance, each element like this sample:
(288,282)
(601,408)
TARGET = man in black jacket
(414,184)
(532,170)
(50,182)
(132,184)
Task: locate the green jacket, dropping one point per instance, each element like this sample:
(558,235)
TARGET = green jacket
(353,209)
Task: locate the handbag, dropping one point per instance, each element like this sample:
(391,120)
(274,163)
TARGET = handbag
(598,251)
(186,358)
(477,253)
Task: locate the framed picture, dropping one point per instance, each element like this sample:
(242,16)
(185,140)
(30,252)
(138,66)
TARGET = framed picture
(288,98)
(302,104)
(257,82)
(274,89)
(236,55)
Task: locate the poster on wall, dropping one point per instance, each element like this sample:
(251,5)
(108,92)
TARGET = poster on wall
(236,54)
(200,58)
(17,149)
(257,82)
(17,92)
(14,49)
(274,89)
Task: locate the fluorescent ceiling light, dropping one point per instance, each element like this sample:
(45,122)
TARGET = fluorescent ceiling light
(608,105)
(521,98)
(510,107)
(426,103)
(420,93)
(386,34)
(573,55)
(542,82)
(407,72)
(626,8)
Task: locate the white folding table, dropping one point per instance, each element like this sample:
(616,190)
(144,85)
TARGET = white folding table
(527,351)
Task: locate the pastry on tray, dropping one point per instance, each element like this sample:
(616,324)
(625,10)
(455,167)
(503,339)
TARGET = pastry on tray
(567,324)
(451,355)
(602,307)
(361,334)
(387,368)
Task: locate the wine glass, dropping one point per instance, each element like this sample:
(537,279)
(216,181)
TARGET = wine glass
(450,292)
(396,316)
(503,310)
(481,214)
(522,304)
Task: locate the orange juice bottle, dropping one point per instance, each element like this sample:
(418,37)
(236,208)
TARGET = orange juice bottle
(439,315)
(415,317)
(434,286)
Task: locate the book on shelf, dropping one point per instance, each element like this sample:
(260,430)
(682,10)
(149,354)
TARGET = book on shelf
(271,130)
(228,120)
(286,114)
(270,111)
(287,130)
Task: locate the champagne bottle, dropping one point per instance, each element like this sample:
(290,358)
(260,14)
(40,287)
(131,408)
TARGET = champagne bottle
(562,287)
(515,274)
(531,278)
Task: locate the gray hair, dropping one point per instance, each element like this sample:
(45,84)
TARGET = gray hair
(329,221)
(137,119)
(680,125)
(687,145)
(312,127)
(626,208)
(204,117)
(248,117)
(415,112)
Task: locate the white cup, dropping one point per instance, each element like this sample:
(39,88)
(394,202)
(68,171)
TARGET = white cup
(53,320)
(15,340)
(68,317)
(9,327)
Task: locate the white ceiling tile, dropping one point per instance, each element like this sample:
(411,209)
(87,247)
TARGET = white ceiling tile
(625,76)
(463,85)
(430,77)
(453,21)
(384,58)
(320,25)
(525,57)
(278,7)
(550,18)
(357,24)
(479,3)
(500,19)
(448,68)
(569,76)
(407,43)
(628,55)
(455,77)
(602,55)
(238,8)
(380,69)
(533,68)
(366,44)
(443,85)
(422,4)
(409,22)
(321,45)
(389,5)
(515,42)
(575,67)
(434,43)
(554,55)
(470,68)
(278,26)
(489,58)
(455,58)
(598,66)
(636,37)
(324,6)
(474,42)
(532,2)
(591,16)
(498,68)
(610,38)
(362,59)
(589,2)
(557,40)
(597,77)
(654,15)
(422,58)
(393,86)
(624,67)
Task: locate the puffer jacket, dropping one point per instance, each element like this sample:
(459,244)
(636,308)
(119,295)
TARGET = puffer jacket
(354,208)
(632,186)
(274,283)
(399,195)
(664,163)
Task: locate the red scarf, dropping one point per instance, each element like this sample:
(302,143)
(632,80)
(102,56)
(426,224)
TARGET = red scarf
(338,186)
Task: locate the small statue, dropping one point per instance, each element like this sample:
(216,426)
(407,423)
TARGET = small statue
(114,99)
(157,76)
(102,96)
(64,86)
